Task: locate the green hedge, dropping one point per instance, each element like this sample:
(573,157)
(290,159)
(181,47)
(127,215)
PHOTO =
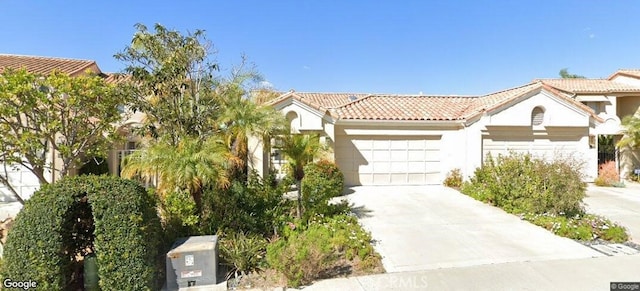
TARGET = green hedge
(322,181)
(117,218)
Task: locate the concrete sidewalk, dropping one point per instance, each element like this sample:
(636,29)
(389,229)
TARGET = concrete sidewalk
(575,274)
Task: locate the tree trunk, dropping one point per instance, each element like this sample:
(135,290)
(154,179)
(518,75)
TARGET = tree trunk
(299,206)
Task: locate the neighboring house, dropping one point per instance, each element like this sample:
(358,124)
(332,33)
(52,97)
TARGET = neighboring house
(381,139)
(22,179)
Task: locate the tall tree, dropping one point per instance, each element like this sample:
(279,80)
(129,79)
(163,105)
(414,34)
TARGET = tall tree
(173,82)
(564,74)
(72,117)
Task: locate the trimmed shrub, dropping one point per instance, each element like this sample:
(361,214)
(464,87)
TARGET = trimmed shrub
(607,174)
(520,183)
(453,179)
(115,217)
(322,181)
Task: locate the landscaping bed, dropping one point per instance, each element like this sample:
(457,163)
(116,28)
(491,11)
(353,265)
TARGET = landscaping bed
(546,193)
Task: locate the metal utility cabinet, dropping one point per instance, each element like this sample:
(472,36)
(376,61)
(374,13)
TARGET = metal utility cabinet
(192,261)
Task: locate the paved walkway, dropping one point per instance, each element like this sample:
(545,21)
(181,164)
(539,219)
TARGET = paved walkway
(431,227)
(572,274)
(621,205)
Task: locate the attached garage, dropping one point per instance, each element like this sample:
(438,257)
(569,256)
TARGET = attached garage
(543,144)
(389,160)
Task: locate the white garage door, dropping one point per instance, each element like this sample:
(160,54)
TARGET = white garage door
(547,147)
(385,160)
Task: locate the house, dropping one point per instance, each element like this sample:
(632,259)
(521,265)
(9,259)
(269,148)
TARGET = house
(22,179)
(382,139)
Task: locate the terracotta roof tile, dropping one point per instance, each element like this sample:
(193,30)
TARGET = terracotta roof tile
(114,78)
(330,100)
(406,107)
(629,72)
(44,65)
(593,86)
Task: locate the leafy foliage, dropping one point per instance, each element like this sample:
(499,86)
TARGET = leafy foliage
(256,207)
(72,116)
(308,252)
(322,181)
(244,253)
(631,137)
(116,217)
(173,82)
(300,150)
(453,179)
(520,183)
(564,74)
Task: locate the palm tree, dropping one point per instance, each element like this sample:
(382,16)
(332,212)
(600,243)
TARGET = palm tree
(300,150)
(631,132)
(190,166)
(243,118)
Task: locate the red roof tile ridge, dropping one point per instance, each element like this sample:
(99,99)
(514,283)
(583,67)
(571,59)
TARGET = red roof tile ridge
(47,57)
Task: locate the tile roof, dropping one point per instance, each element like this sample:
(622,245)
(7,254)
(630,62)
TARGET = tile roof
(419,107)
(114,78)
(629,72)
(330,100)
(593,86)
(44,65)
(405,107)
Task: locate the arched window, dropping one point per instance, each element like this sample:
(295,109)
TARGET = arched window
(294,121)
(537,116)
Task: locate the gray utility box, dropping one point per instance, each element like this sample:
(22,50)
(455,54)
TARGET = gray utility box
(192,261)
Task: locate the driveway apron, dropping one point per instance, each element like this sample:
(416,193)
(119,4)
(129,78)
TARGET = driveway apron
(621,205)
(430,227)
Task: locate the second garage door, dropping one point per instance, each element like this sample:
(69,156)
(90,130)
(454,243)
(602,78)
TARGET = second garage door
(389,160)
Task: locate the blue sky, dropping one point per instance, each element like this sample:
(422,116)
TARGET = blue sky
(404,47)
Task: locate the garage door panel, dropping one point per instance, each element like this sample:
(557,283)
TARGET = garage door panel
(385,160)
(539,146)
(399,155)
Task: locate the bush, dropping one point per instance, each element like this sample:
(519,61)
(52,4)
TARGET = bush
(243,253)
(302,256)
(607,174)
(519,183)
(307,253)
(453,179)
(322,181)
(114,217)
(254,207)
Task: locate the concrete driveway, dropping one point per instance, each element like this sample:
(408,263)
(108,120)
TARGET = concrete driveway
(621,205)
(431,227)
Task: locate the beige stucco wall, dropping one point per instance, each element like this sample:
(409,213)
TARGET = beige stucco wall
(627,105)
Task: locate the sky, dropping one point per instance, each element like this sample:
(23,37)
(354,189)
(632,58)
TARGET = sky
(401,47)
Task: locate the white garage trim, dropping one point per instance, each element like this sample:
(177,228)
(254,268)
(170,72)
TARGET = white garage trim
(389,160)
